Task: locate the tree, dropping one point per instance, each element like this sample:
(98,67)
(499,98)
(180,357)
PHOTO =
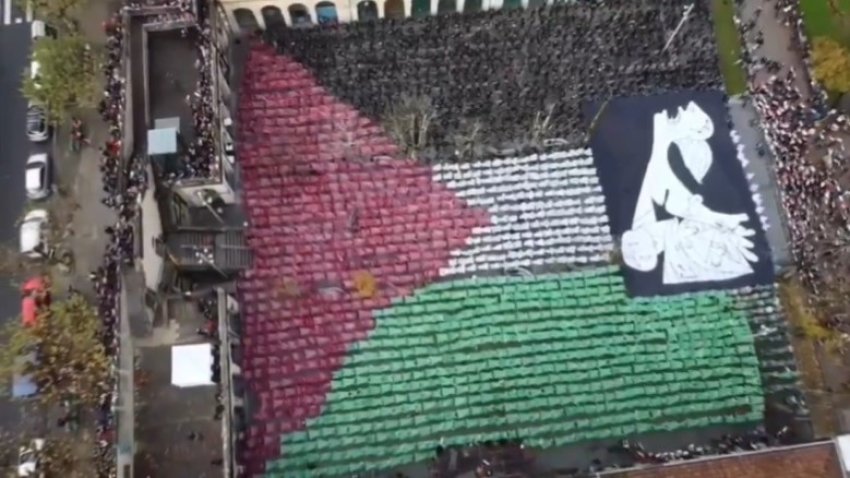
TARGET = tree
(67,76)
(468,139)
(56,12)
(831,64)
(541,127)
(70,361)
(410,123)
(65,455)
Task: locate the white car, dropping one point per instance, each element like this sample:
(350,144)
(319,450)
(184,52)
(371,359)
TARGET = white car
(28,459)
(37,176)
(33,241)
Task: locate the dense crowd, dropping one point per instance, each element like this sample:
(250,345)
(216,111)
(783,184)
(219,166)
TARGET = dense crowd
(199,159)
(125,181)
(118,188)
(506,458)
(510,458)
(507,71)
(795,121)
(806,139)
(208,307)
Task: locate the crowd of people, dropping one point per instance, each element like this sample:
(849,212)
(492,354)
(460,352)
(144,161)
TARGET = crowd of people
(192,18)
(807,140)
(119,196)
(201,154)
(506,71)
(126,180)
(505,458)
(208,307)
(199,159)
(510,458)
(795,121)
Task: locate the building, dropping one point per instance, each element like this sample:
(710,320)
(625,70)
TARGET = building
(247,16)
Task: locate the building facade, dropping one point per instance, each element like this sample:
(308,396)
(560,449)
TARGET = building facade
(247,16)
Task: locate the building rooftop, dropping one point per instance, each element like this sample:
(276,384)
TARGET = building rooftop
(169,414)
(395,305)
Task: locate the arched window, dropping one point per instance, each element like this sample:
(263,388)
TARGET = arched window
(470,6)
(446,6)
(421,8)
(367,10)
(246,20)
(326,13)
(273,17)
(300,15)
(394,9)
(511,4)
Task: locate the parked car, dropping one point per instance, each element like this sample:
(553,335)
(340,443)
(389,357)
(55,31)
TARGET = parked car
(37,176)
(33,240)
(38,129)
(35,296)
(29,461)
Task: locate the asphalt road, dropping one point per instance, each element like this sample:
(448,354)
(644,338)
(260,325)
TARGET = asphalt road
(14,150)
(10,14)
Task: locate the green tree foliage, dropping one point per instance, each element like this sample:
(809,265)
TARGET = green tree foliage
(59,13)
(70,360)
(62,455)
(67,76)
(831,64)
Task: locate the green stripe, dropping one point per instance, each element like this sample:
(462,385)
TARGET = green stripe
(555,360)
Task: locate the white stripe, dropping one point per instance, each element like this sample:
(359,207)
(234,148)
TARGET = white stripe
(544,210)
(7,12)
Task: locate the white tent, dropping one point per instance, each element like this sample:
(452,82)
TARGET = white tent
(191,365)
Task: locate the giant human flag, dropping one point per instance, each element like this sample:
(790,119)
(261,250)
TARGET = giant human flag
(394,306)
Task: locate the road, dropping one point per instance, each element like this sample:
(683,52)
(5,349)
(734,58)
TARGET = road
(12,15)
(14,149)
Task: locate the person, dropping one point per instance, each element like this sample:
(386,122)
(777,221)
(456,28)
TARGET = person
(78,137)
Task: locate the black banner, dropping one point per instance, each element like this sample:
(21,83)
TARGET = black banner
(677,197)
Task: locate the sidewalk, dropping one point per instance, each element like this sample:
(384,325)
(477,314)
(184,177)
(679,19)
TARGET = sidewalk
(777,41)
(79,173)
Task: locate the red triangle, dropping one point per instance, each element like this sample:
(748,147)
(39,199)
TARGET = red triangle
(327,199)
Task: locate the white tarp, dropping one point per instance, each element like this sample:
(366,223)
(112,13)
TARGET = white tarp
(843,442)
(191,365)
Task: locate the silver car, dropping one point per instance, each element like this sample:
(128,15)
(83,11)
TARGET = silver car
(37,176)
(38,129)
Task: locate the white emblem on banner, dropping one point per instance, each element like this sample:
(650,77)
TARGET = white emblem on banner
(698,244)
